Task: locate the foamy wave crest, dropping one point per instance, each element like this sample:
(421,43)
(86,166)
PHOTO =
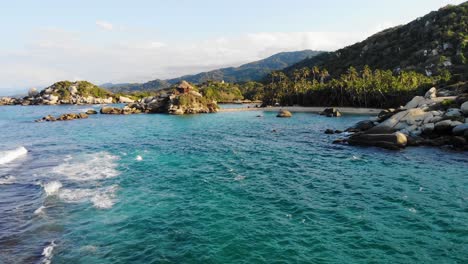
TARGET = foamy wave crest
(102,198)
(47,253)
(11,155)
(95,166)
(7,180)
(40,210)
(52,188)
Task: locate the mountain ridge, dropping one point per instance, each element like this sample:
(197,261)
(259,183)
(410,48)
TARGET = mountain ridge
(252,71)
(430,44)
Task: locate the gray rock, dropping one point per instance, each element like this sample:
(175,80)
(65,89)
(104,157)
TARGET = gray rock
(33,92)
(414,102)
(453,112)
(428,128)
(464,108)
(460,129)
(443,125)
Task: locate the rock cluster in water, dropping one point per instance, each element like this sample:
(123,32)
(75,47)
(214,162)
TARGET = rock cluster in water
(64,117)
(331,112)
(425,120)
(182,100)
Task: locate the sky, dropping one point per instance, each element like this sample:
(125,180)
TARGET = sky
(140,40)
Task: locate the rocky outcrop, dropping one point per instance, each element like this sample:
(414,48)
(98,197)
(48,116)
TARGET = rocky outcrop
(180,101)
(284,113)
(64,92)
(427,120)
(64,117)
(8,101)
(331,112)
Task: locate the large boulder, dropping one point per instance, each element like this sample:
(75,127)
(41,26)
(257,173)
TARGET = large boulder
(453,112)
(432,93)
(284,113)
(125,100)
(460,129)
(394,141)
(405,118)
(361,126)
(107,110)
(464,108)
(33,92)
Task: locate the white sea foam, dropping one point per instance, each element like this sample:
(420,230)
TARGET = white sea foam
(47,253)
(11,155)
(139,158)
(239,177)
(52,188)
(7,180)
(95,166)
(40,210)
(102,198)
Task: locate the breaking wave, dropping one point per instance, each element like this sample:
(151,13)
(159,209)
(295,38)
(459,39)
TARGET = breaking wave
(7,180)
(47,253)
(52,188)
(11,155)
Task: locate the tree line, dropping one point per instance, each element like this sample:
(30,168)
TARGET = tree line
(364,88)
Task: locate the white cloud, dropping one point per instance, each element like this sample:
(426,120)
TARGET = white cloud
(104,25)
(54,55)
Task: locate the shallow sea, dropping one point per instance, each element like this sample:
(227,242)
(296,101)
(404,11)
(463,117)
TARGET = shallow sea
(221,188)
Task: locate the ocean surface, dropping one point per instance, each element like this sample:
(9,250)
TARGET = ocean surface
(221,188)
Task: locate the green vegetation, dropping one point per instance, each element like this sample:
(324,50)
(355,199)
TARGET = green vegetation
(366,88)
(427,45)
(137,87)
(84,88)
(221,92)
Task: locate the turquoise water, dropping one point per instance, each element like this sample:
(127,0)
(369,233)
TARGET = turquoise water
(222,188)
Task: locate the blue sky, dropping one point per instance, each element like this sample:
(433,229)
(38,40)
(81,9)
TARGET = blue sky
(135,41)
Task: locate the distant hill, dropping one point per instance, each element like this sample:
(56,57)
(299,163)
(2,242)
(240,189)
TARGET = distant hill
(134,87)
(428,45)
(253,71)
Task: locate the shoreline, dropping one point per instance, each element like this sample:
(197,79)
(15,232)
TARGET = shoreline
(305,109)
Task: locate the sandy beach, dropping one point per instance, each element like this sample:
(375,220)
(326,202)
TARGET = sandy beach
(302,109)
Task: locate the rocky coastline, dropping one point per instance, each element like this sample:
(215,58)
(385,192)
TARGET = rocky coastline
(426,120)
